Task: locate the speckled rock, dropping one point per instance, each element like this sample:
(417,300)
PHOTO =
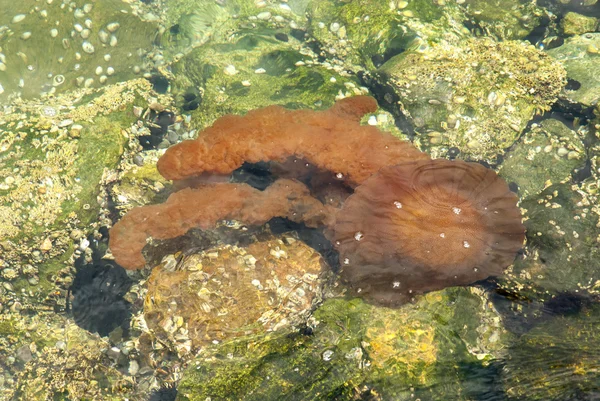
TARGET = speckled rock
(70,45)
(355,350)
(56,179)
(477,96)
(228,291)
(513,19)
(580,55)
(563,237)
(65,362)
(577,24)
(546,155)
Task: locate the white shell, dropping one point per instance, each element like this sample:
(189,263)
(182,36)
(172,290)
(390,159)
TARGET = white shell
(54,32)
(18,18)
(110,71)
(25,35)
(113,26)
(98,70)
(113,40)
(103,35)
(87,47)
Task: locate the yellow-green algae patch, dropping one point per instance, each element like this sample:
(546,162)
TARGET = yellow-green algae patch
(352,350)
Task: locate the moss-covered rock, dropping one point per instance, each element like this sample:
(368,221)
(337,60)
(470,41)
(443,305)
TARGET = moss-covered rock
(356,350)
(546,155)
(477,96)
(56,47)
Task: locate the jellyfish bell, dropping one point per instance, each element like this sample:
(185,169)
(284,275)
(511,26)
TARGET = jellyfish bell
(424,226)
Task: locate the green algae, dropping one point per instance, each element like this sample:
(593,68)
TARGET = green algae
(256,71)
(354,349)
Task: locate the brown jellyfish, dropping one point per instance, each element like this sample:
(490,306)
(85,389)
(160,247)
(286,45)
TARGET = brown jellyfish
(427,225)
(333,140)
(204,207)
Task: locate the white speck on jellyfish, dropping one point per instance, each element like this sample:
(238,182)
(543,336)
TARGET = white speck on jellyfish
(396,284)
(410,291)
(398,205)
(339,176)
(475,269)
(466,244)
(442,235)
(346,261)
(358,236)
(456,210)
(337,242)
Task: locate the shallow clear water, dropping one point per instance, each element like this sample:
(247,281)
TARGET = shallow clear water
(416,219)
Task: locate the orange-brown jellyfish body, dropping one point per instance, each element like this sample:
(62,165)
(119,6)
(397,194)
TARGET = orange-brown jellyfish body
(424,226)
(333,140)
(203,207)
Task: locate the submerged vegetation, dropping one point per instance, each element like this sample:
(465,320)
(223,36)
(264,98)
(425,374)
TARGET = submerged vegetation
(91,95)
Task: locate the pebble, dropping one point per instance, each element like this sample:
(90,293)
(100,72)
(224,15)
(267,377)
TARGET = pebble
(65,123)
(172,137)
(265,15)
(134,367)
(138,160)
(18,18)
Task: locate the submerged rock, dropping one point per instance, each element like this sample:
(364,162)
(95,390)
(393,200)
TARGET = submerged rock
(545,155)
(580,55)
(69,46)
(513,19)
(64,362)
(227,292)
(355,350)
(256,70)
(477,96)
(363,34)
(556,361)
(52,196)
(562,253)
